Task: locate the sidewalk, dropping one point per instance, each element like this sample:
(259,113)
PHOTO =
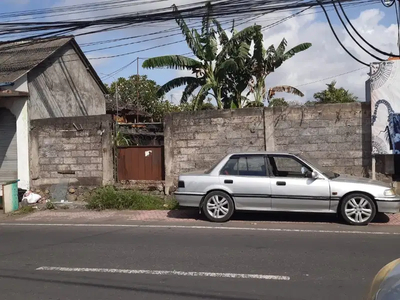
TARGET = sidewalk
(86,216)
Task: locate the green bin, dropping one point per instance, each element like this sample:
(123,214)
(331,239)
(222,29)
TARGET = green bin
(10,196)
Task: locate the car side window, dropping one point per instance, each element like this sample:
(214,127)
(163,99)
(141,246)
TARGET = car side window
(287,166)
(245,166)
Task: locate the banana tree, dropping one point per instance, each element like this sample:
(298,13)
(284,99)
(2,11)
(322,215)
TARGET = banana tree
(211,70)
(266,61)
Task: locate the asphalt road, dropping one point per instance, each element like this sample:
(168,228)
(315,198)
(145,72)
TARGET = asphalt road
(308,265)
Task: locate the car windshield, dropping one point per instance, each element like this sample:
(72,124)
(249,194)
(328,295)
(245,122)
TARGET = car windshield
(326,172)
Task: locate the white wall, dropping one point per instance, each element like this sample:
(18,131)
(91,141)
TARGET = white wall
(19,107)
(21,85)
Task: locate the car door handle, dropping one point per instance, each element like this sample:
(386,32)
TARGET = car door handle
(280,183)
(228,181)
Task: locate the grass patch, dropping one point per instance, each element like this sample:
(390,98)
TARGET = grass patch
(24,210)
(112,198)
(50,205)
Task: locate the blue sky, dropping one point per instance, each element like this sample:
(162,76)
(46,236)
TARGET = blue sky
(324,60)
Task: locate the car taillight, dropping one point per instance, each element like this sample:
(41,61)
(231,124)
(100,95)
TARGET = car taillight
(181,184)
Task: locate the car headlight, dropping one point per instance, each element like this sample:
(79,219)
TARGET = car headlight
(389,192)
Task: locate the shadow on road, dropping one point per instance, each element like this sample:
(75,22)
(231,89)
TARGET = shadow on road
(273,217)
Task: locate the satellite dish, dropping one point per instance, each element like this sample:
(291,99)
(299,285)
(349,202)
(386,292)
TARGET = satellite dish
(388,3)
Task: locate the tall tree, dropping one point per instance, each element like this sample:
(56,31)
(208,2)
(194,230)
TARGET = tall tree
(275,102)
(332,94)
(211,69)
(137,91)
(266,61)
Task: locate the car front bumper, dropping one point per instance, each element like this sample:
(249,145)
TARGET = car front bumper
(389,205)
(188,199)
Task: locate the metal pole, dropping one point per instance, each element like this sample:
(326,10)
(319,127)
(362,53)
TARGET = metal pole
(373,167)
(137,91)
(116,100)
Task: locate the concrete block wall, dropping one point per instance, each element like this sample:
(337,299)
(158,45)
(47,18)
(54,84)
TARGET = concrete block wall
(196,140)
(62,154)
(338,136)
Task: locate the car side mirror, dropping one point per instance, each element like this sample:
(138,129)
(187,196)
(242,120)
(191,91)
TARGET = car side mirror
(306,172)
(314,175)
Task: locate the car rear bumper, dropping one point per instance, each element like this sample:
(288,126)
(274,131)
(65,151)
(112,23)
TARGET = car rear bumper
(188,199)
(388,205)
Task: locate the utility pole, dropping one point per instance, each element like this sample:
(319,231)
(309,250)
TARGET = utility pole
(390,3)
(137,92)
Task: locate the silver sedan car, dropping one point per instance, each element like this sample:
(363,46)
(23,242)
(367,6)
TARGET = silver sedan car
(282,182)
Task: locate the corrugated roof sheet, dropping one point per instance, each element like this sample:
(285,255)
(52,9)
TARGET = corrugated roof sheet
(17,59)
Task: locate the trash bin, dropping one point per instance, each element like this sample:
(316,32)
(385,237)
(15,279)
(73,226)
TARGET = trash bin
(10,196)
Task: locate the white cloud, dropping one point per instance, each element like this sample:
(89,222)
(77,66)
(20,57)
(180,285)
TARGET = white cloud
(326,58)
(323,60)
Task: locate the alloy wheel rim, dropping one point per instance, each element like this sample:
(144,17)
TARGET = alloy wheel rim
(218,207)
(358,209)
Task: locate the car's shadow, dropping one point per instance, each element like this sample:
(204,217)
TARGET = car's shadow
(272,217)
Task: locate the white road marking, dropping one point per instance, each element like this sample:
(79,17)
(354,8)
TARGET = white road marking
(202,227)
(163,273)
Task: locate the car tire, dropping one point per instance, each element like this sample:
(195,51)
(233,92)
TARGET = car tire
(218,206)
(358,209)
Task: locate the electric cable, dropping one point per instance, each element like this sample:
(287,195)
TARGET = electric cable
(337,38)
(352,37)
(362,38)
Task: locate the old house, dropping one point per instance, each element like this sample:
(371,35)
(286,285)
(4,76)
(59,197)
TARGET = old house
(41,79)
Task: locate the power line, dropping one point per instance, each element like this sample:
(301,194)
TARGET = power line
(220,8)
(361,37)
(337,38)
(352,37)
(331,77)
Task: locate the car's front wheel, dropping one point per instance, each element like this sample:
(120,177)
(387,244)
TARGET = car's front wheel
(218,206)
(358,209)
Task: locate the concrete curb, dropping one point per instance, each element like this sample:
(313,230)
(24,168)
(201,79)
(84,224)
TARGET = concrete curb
(186,216)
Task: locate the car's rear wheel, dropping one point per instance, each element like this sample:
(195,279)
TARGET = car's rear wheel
(218,206)
(358,209)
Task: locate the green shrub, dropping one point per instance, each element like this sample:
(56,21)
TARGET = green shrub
(111,198)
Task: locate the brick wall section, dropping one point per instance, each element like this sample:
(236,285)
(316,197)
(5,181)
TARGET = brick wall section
(338,136)
(195,140)
(62,154)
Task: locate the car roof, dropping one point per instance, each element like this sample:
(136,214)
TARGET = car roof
(261,153)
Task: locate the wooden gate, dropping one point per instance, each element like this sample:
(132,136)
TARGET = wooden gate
(141,163)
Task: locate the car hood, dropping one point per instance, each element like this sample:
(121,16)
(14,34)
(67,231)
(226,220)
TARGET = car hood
(359,180)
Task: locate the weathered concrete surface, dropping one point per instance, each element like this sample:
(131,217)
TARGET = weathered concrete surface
(338,136)
(61,154)
(18,107)
(61,86)
(196,140)
(81,215)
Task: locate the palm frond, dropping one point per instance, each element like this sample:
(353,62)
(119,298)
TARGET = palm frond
(191,41)
(203,93)
(223,37)
(296,49)
(228,66)
(281,48)
(178,62)
(211,47)
(205,28)
(244,36)
(284,89)
(259,51)
(190,88)
(174,83)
